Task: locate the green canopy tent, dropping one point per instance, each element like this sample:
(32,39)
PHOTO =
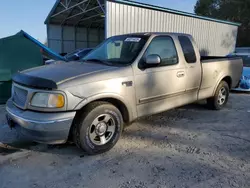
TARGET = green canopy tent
(17,53)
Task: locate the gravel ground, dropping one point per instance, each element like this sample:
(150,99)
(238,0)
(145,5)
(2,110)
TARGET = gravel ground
(186,147)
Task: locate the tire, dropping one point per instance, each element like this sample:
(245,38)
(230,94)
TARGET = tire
(218,101)
(97,128)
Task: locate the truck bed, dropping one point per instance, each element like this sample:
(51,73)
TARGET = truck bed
(208,59)
(216,68)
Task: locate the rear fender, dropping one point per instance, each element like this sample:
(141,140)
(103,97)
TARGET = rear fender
(218,82)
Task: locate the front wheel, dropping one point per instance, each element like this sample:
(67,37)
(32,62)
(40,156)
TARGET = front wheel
(98,128)
(219,100)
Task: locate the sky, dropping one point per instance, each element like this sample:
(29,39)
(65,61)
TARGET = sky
(29,15)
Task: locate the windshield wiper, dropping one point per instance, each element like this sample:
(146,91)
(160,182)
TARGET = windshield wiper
(98,61)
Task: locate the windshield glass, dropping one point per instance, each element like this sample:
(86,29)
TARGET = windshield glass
(121,50)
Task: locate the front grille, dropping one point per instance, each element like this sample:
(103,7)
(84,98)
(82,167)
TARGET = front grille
(19,96)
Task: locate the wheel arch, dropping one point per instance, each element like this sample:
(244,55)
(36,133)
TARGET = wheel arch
(119,102)
(227,79)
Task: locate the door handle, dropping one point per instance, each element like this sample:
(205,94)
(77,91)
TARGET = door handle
(180,74)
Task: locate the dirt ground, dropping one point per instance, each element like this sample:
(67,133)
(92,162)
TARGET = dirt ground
(186,147)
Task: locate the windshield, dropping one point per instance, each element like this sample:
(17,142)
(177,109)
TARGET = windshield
(121,50)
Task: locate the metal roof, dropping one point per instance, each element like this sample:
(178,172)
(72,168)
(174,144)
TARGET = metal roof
(88,13)
(154,33)
(91,13)
(144,5)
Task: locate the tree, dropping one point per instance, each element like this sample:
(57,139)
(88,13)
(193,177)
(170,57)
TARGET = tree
(230,10)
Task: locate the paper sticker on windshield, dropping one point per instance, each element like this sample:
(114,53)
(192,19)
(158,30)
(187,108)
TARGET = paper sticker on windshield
(133,39)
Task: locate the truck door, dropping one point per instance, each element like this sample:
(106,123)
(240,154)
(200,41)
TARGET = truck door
(193,70)
(160,87)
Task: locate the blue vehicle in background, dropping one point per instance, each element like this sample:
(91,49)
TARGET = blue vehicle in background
(244,84)
(74,56)
(78,54)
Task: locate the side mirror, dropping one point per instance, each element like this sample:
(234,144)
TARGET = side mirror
(153,59)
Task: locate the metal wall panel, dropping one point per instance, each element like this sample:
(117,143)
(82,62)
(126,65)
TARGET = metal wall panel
(65,39)
(212,38)
(68,36)
(54,37)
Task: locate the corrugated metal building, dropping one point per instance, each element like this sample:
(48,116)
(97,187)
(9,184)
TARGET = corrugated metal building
(73,24)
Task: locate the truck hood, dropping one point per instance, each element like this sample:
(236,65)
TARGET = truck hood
(50,76)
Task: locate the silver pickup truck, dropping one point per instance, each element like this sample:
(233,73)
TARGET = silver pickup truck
(126,77)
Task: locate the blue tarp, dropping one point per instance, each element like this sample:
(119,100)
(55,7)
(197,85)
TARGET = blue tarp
(46,50)
(245,79)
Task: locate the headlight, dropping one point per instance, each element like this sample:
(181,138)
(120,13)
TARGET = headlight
(48,100)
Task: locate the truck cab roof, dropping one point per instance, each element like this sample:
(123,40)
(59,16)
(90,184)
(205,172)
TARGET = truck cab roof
(157,33)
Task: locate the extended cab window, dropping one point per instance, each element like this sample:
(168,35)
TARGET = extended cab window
(165,48)
(188,49)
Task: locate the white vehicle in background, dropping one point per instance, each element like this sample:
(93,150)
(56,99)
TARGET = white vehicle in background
(244,84)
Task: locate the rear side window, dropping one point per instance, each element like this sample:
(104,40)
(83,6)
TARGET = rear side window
(188,49)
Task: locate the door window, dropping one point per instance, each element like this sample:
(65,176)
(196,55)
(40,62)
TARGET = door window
(165,48)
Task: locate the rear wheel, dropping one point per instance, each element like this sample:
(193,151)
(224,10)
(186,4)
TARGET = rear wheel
(98,128)
(219,100)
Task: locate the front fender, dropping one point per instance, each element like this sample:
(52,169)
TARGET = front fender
(131,109)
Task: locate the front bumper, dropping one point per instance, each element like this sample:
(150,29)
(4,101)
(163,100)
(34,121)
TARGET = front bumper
(49,128)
